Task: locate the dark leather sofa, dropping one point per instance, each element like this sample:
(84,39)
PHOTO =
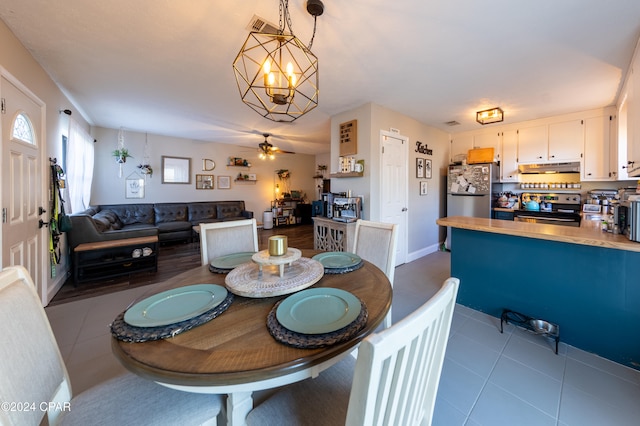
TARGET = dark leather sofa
(169,221)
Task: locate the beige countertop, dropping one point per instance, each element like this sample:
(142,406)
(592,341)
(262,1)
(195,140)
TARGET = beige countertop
(587,235)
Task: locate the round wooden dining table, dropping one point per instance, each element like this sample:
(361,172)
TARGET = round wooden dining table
(235,354)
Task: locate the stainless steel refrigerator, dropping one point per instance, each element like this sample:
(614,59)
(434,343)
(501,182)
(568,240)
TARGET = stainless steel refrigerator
(470,190)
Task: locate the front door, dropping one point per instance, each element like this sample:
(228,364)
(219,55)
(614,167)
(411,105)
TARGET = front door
(22,142)
(394,188)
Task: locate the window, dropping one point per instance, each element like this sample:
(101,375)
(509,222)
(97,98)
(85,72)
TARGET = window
(79,161)
(23,129)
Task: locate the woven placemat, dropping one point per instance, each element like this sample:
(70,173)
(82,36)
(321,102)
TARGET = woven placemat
(219,270)
(129,333)
(344,270)
(313,341)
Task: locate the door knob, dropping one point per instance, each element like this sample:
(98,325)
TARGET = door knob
(404,209)
(41,211)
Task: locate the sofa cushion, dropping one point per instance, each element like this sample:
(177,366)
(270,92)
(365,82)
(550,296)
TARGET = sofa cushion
(106,220)
(230,210)
(170,212)
(102,223)
(199,212)
(132,213)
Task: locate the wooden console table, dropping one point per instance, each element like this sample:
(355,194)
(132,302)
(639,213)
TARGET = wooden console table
(331,235)
(108,259)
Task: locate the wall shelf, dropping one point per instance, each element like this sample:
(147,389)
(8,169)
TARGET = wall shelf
(253,181)
(347,175)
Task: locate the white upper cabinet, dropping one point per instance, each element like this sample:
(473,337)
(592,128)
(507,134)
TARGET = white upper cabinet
(554,142)
(509,156)
(533,144)
(620,156)
(596,161)
(566,140)
(633,118)
(488,140)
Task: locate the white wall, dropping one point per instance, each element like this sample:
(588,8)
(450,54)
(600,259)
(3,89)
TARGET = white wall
(424,234)
(108,188)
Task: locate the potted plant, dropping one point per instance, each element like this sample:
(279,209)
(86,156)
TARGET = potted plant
(121,155)
(283,174)
(146,169)
(321,169)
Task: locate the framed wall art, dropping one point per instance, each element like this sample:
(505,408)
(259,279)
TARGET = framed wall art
(349,138)
(419,168)
(134,186)
(424,189)
(204,181)
(176,169)
(427,169)
(224,182)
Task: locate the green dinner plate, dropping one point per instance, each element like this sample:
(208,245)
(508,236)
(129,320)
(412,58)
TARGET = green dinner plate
(230,261)
(318,310)
(175,305)
(337,259)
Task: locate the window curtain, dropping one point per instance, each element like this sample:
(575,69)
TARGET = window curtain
(79,167)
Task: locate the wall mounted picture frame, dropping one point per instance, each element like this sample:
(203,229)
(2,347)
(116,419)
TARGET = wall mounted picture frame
(224,182)
(424,188)
(204,182)
(134,186)
(427,168)
(419,168)
(349,138)
(176,169)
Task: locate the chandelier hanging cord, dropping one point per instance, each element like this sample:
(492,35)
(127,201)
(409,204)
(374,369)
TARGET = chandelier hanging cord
(285,21)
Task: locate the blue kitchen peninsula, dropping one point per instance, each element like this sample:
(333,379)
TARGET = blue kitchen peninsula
(585,280)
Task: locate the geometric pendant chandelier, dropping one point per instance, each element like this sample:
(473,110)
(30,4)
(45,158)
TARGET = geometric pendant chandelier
(277,74)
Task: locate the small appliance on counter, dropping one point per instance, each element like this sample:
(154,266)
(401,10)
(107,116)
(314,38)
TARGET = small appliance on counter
(507,200)
(605,198)
(627,217)
(347,209)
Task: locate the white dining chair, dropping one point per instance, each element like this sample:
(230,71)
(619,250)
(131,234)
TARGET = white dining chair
(394,381)
(222,238)
(377,242)
(34,382)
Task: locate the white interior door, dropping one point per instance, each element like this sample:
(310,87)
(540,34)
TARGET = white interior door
(22,196)
(394,188)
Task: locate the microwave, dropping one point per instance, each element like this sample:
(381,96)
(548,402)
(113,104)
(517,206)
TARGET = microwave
(628,219)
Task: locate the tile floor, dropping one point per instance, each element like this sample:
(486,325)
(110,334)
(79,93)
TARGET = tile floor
(488,378)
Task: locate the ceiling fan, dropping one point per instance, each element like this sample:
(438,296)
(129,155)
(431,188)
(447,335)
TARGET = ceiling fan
(267,150)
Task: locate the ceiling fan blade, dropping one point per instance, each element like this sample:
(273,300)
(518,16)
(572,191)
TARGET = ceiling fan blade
(282,151)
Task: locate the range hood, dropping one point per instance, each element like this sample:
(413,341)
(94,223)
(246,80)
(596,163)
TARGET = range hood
(569,167)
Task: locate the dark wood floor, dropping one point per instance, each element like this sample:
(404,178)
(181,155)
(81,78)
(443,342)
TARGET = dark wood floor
(172,260)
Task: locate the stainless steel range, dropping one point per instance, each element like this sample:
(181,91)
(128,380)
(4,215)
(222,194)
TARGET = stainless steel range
(554,209)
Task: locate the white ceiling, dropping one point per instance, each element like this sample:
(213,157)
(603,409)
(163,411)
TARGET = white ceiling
(164,67)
